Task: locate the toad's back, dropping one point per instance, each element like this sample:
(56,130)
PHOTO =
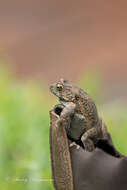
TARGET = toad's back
(86,106)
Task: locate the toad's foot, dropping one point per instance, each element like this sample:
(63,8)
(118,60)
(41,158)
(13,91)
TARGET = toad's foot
(60,121)
(89,145)
(64,122)
(74,144)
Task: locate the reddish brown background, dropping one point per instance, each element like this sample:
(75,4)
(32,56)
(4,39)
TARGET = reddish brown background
(54,38)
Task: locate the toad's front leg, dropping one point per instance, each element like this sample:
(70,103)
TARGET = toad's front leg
(66,113)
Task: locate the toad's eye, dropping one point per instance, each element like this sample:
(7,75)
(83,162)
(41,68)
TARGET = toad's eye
(59,87)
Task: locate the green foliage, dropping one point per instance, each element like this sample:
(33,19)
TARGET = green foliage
(24,135)
(115,117)
(24,131)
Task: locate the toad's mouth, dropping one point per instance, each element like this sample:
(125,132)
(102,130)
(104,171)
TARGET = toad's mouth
(63,101)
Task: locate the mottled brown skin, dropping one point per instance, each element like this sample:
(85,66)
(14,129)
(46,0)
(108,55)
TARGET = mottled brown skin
(78,104)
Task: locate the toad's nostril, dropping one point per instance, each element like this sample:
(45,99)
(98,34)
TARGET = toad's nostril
(51,87)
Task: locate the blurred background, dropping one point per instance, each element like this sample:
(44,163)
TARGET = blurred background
(40,42)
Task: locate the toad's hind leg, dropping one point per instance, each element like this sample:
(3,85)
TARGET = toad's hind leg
(89,145)
(104,130)
(87,139)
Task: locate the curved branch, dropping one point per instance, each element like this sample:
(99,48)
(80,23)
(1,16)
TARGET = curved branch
(60,156)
